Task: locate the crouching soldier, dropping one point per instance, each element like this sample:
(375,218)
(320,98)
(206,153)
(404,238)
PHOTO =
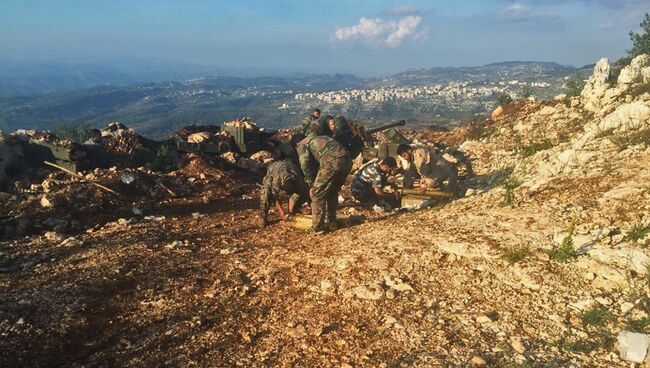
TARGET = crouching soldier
(369,182)
(282,176)
(433,170)
(326,164)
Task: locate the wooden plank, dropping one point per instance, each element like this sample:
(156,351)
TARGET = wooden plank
(429,193)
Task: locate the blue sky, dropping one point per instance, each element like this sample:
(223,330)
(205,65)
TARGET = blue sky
(362,36)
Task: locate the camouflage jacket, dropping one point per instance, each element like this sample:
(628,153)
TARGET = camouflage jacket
(314,126)
(316,150)
(281,176)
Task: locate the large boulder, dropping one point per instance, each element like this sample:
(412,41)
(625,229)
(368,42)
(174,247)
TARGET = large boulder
(637,72)
(596,86)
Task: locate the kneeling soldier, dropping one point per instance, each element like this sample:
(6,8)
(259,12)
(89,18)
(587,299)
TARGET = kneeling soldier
(282,176)
(369,182)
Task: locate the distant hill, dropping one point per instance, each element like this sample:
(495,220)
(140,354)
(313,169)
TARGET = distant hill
(45,96)
(521,70)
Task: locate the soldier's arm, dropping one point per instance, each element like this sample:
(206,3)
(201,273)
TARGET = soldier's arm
(305,162)
(281,212)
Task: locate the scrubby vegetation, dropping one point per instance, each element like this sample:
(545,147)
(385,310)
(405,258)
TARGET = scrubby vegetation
(78,132)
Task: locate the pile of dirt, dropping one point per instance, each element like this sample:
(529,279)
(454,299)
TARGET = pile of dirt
(246,123)
(68,204)
(126,146)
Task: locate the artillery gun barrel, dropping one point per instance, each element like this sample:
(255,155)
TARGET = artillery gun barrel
(385,127)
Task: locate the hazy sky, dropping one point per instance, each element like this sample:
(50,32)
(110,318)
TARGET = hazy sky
(355,35)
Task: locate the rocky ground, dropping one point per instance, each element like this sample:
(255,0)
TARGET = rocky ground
(541,263)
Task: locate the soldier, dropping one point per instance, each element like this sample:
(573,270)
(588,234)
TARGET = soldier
(11,159)
(283,151)
(311,122)
(432,169)
(325,164)
(282,176)
(339,129)
(369,182)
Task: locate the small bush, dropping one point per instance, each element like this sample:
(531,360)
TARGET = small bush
(510,185)
(574,86)
(576,345)
(503,99)
(533,148)
(637,232)
(565,251)
(597,317)
(164,159)
(633,138)
(639,325)
(515,253)
(79,132)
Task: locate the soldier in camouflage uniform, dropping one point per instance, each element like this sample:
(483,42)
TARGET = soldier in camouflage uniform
(334,164)
(339,129)
(312,123)
(282,176)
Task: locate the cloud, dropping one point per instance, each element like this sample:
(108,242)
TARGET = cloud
(518,12)
(380,32)
(402,10)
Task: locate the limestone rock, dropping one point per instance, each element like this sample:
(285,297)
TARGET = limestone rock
(497,113)
(633,346)
(635,72)
(596,86)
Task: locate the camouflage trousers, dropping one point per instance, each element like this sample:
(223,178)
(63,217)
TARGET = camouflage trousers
(325,190)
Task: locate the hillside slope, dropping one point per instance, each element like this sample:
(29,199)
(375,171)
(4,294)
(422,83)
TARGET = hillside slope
(541,263)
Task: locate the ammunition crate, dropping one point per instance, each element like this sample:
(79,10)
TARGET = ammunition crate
(36,152)
(247,141)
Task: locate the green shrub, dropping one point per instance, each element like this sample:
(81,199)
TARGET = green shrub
(76,132)
(515,253)
(637,232)
(510,185)
(597,317)
(535,147)
(574,86)
(565,251)
(164,159)
(503,99)
(638,325)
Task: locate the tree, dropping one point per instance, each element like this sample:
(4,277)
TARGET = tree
(641,41)
(526,92)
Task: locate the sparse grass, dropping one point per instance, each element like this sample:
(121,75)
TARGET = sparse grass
(576,345)
(520,365)
(597,317)
(639,325)
(637,232)
(515,253)
(633,138)
(565,251)
(510,185)
(535,147)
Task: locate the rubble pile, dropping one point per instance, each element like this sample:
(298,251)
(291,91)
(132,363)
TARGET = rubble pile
(246,123)
(185,132)
(67,204)
(124,142)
